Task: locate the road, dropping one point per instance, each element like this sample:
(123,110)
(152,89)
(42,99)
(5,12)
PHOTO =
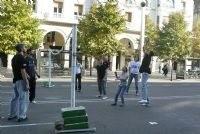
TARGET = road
(174,109)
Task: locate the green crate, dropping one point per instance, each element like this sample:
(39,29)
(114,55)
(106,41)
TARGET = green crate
(71,112)
(83,125)
(75,119)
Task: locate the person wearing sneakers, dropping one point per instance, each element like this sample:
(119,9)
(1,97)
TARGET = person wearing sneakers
(121,87)
(145,70)
(19,102)
(133,73)
(32,73)
(101,79)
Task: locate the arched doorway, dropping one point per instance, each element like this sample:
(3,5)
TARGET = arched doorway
(54,40)
(122,59)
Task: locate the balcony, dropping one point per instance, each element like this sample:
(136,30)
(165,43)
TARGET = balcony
(58,15)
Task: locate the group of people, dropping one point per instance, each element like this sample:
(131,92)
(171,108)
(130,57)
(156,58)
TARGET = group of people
(24,83)
(25,73)
(134,69)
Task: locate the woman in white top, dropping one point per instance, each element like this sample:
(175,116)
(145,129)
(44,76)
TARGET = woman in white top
(121,87)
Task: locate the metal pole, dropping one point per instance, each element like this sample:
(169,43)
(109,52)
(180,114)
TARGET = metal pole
(73,67)
(49,68)
(142,33)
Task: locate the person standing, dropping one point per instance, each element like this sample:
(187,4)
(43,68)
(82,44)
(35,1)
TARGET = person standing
(145,70)
(121,87)
(31,71)
(134,67)
(19,102)
(165,70)
(102,79)
(78,76)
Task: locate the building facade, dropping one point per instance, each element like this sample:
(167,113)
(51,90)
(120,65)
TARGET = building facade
(196,11)
(58,17)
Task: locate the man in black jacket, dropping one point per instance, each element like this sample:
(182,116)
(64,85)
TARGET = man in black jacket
(31,71)
(145,70)
(102,78)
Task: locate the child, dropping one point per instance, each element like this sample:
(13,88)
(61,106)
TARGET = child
(122,86)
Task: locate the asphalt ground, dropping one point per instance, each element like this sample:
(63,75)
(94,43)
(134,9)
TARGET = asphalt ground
(174,109)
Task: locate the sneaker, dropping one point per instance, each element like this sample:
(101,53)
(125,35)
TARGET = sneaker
(105,97)
(12,117)
(114,104)
(98,96)
(145,104)
(143,101)
(34,102)
(22,119)
(136,94)
(122,105)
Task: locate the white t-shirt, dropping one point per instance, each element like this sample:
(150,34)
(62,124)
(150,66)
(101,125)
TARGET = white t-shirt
(78,68)
(134,67)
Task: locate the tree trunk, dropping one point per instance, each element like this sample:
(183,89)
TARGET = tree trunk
(90,66)
(172,66)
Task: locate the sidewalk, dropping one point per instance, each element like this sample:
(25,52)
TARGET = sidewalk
(154,77)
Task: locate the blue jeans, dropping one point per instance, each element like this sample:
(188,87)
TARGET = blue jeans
(102,84)
(120,91)
(135,76)
(20,100)
(145,77)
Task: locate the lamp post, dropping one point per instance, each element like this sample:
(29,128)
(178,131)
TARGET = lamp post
(142,33)
(73,67)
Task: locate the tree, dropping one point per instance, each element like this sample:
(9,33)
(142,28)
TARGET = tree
(17,25)
(98,30)
(196,41)
(174,40)
(151,33)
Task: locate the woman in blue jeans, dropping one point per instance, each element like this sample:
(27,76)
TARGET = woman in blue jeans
(145,70)
(121,87)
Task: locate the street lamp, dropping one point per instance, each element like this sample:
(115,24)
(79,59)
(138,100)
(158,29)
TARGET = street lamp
(142,33)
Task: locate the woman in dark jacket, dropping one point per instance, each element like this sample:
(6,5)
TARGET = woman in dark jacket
(145,70)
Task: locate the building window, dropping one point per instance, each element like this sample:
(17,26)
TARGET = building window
(78,9)
(147,3)
(165,19)
(128,16)
(129,1)
(158,20)
(169,4)
(183,7)
(34,6)
(58,9)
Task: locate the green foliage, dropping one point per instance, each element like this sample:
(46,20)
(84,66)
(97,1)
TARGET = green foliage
(98,28)
(196,41)
(151,33)
(174,42)
(17,26)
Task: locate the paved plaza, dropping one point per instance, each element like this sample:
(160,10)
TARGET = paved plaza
(174,108)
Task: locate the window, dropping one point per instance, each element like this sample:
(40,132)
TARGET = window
(129,2)
(147,3)
(169,3)
(158,20)
(34,5)
(128,16)
(58,9)
(78,9)
(165,19)
(58,6)
(183,7)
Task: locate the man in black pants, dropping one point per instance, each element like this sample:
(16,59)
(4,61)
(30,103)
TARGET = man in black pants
(78,76)
(31,71)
